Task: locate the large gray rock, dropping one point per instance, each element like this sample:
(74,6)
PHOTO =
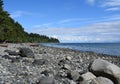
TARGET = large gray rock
(98,80)
(104,68)
(87,76)
(26,52)
(74,75)
(101,80)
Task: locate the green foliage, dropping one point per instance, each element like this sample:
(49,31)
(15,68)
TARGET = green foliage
(1,4)
(12,31)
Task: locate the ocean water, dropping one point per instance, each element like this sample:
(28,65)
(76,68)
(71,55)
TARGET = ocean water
(103,48)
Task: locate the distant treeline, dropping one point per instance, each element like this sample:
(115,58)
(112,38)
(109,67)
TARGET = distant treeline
(12,31)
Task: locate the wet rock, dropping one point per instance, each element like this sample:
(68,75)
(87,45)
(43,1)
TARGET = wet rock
(26,52)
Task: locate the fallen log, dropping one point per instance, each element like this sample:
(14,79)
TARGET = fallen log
(4,45)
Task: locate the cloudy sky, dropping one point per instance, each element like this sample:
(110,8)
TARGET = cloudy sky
(69,20)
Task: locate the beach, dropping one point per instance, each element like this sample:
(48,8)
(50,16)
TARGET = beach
(53,64)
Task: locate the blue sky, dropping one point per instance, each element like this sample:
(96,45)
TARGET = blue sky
(69,20)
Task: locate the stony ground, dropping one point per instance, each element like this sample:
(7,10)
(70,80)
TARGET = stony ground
(24,64)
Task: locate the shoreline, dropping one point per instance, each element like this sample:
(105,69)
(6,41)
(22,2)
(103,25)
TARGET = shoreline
(96,55)
(81,51)
(102,48)
(44,61)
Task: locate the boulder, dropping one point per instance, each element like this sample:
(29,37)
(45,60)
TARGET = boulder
(87,76)
(104,68)
(101,80)
(72,82)
(98,80)
(74,75)
(26,52)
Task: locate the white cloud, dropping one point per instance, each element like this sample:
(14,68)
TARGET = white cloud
(97,32)
(19,14)
(112,17)
(43,25)
(62,22)
(108,5)
(111,5)
(103,29)
(113,9)
(77,21)
(71,20)
(16,14)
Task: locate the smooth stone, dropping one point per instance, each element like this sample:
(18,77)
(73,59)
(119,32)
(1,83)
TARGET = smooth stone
(101,80)
(104,68)
(74,75)
(87,76)
(68,58)
(66,66)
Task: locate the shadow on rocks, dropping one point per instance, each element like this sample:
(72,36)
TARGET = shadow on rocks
(40,62)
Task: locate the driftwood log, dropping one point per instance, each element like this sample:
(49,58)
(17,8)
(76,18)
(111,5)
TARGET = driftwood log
(4,45)
(34,44)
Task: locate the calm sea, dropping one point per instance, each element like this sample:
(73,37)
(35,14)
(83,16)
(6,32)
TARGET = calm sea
(104,48)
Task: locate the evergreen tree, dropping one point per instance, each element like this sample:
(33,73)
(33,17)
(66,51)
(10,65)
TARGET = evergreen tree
(12,31)
(1,4)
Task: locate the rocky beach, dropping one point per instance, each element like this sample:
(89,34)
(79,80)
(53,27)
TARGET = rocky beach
(33,64)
